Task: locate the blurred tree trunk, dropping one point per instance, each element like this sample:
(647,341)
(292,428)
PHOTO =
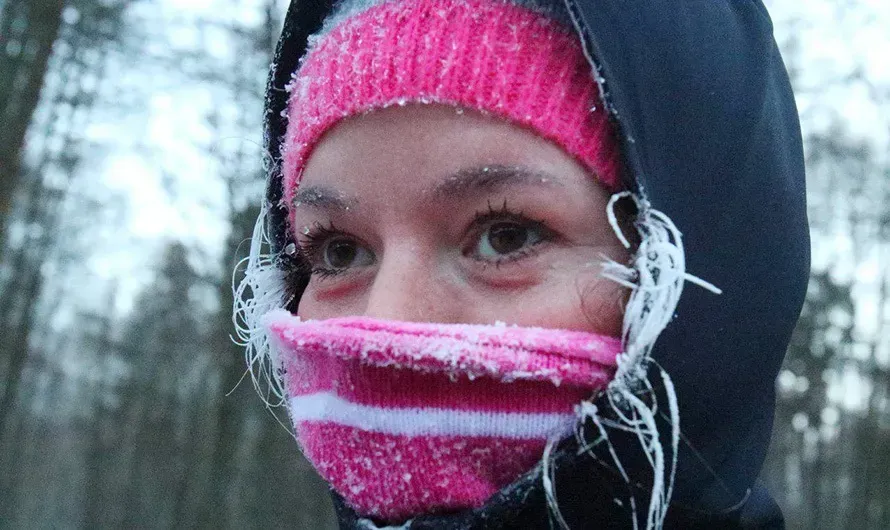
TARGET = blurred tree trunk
(42,188)
(28,30)
(101,451)
(39,220)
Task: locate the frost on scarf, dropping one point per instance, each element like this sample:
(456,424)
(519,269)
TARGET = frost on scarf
(407,418)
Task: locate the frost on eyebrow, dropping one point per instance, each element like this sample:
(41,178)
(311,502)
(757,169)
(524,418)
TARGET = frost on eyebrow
(489,178)
(458,186)
(323,198)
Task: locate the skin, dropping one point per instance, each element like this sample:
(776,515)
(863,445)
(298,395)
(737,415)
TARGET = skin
(412,184)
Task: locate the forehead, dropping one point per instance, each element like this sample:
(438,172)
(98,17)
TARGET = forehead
(405,151)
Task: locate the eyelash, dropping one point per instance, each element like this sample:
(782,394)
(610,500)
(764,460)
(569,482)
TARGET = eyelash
(505,213)
(314,240)
(313,246)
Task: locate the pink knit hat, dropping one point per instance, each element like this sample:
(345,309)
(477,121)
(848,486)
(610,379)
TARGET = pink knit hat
(491,55)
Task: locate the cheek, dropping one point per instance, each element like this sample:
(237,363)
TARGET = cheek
(576,296)
(577,301)
(601,303)
(315,306)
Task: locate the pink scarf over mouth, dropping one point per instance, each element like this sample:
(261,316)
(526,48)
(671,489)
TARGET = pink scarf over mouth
(406,418)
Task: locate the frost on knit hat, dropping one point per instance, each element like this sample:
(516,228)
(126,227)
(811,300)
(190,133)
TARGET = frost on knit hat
(516,60)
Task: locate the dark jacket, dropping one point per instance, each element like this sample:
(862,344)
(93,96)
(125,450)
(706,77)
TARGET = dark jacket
(710,136)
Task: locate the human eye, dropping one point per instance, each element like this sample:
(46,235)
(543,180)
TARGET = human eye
(328,251)
(502,236)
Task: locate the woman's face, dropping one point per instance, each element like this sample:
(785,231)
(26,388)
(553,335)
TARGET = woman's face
(430,214)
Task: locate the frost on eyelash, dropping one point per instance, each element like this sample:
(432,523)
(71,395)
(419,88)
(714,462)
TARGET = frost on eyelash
(655,277)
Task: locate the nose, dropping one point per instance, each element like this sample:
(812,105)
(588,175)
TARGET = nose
(408,287)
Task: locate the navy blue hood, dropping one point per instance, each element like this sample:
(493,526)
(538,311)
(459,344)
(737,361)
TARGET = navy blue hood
(710,136)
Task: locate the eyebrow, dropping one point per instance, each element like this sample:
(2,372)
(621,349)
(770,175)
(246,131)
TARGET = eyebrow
(461,185)
(472,181)
(323,198)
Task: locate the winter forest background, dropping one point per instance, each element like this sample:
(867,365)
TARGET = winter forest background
(129,173)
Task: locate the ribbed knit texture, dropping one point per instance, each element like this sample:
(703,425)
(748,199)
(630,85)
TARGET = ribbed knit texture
(490,55)
(408,418)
